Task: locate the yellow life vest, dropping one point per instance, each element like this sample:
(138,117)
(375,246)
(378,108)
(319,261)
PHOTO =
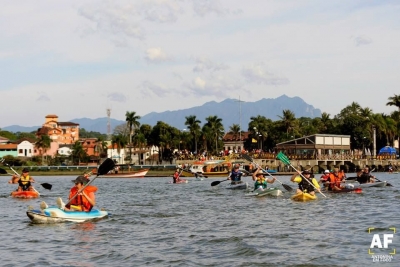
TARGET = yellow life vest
(25,179)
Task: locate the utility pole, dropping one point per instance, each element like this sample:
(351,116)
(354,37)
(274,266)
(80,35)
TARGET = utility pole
(240,121)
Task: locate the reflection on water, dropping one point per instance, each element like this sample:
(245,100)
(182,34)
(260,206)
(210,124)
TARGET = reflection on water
(159,224)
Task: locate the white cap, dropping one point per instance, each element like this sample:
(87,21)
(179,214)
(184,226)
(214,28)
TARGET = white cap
(326,171)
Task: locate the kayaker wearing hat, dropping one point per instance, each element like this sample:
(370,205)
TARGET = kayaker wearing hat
(24,182)
(85,199)
(261,182)
(305,186)
(324,177)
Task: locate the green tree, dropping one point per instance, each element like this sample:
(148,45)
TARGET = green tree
(43,144)
(216,128)
(78,154)
(193,125)
(132,121)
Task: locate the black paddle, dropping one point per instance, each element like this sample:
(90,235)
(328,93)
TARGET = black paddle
(3,171)
(218,182)
(287,187)
(104,168)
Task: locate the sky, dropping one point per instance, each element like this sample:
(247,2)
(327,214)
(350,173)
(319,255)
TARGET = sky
(76,59)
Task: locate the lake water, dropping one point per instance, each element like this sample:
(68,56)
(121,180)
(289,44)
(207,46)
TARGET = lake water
(154,223)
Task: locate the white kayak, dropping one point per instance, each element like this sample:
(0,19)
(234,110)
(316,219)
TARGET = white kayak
(266,192)
(241,185)
(376,184)
(56,215)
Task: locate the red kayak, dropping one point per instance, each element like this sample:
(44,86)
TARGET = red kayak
(25,194)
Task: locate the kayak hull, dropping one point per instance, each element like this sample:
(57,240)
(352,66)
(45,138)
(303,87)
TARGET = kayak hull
(182,181)
(240,186)
(303,197)
(266,192)
(56,215)
(376,184)
(25,194)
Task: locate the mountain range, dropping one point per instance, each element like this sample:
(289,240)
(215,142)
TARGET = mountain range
(231,111)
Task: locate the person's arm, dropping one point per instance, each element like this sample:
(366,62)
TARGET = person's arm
(31,179)
(315,183)
(271,180)
(90,197)
(293,178)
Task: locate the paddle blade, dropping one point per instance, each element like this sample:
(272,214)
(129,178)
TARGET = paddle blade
(106,166)
(247,157)
(287,187)
(215,183)
(282,157)
(3,171)
(47,186)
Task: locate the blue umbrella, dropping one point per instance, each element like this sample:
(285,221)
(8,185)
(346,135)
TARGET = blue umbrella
(388,149)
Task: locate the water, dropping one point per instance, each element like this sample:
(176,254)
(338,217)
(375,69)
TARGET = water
(158,224)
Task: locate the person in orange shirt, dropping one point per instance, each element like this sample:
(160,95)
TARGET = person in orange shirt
(335,180)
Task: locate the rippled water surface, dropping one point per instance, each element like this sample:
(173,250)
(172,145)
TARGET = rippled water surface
(159,224)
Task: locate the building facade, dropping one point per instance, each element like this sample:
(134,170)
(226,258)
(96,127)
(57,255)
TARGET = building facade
(59,132)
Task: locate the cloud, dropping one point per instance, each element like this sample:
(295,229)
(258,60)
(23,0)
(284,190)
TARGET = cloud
(204,7)
(203,64)
(362,40)
(43,98)
(161,10)
(216,87)
(257,73)
(150,89)
(117,97)
(155,55)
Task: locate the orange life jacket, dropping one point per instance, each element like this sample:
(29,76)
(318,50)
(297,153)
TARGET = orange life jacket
(335,180)
(81,200)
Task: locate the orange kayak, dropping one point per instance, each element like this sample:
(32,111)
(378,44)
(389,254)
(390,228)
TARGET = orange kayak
(25,194)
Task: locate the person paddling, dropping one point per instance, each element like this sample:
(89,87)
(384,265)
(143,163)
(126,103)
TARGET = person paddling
(25,181)
(85,199)
(236,175)
(260,181)
(335,179)
(305,186)
(175,176)
(365,176)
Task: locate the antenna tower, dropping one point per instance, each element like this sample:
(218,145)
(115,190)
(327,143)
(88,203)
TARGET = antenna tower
(108,124)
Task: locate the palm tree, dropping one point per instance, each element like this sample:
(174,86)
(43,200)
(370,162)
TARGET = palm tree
(43,144)
(259,127)
(395,101)
(235,131)
(193,124)
(119,141)
(78,153)
(132,120)
(216,129)
(288,120)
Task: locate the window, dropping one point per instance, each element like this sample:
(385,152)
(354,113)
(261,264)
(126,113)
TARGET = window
(20,151)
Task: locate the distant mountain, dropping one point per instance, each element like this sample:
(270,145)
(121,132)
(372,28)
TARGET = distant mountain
(228,110)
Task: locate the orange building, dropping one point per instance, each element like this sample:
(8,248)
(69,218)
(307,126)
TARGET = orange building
(59,132)
(90,145)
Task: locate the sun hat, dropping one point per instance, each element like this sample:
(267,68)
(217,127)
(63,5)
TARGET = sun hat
(80,179)
(306,172)
(326,171)
(25,170)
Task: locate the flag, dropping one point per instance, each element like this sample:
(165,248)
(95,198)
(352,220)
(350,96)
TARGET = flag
(282,157)
(253,140)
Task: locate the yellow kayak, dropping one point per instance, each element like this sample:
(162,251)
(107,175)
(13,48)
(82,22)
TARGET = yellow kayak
(303,197)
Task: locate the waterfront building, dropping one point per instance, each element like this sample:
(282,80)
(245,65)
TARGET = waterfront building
(59,132)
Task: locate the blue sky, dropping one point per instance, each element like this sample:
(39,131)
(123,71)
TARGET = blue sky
(78,58)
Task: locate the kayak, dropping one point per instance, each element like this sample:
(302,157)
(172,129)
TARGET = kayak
(25,194)
(182,181)
(266,192)
(303,197)
(56,215)
(376,184)
(357,190)
(238,186)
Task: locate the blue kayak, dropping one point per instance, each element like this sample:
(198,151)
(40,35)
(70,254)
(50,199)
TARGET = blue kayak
(56,215)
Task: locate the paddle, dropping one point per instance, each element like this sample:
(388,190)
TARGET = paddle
(194,173)
(247,157)
(2,171)
(218,182)
(282,157)
(104,168)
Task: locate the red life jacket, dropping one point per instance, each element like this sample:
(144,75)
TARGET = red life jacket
(81,200)
(335,180)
